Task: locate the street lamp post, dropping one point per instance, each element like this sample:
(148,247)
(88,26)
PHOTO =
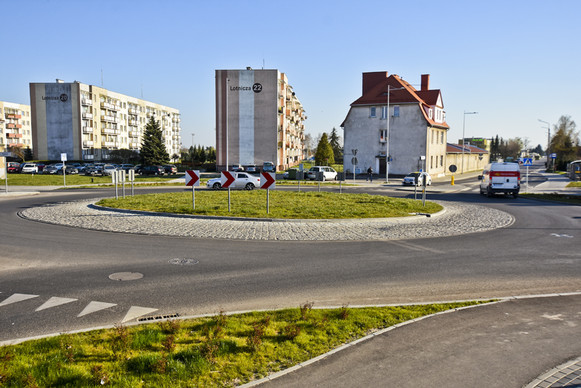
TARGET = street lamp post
(548,152)
(387,134)
(464,136)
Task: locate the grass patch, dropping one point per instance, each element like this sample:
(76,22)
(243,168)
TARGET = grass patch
(283,204)
(212,351)
(563,198)
(574,184)
(74,180)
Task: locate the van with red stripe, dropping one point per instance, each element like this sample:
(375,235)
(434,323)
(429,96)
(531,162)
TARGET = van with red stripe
(500,178)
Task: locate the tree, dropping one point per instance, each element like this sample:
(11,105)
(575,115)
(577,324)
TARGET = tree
(308,145)
(324,155)
(335,142)
(153,151)
(564,142)
(538,149)
(27,154)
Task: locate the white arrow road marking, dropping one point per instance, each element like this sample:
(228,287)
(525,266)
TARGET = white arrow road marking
(17,298)
(561,235)
(95,306)
(136,311)
(55,301)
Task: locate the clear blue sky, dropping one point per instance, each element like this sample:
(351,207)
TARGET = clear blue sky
(512,61)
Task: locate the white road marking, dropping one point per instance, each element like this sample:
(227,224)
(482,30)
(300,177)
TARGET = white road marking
(55,301)
(561,235)
(136,311)
(17,298)
(95,306)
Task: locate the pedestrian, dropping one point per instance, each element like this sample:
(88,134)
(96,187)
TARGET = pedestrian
(370,174)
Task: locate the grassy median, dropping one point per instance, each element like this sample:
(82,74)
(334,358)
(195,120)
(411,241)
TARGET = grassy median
(75,179)
(283,204)
(214,351)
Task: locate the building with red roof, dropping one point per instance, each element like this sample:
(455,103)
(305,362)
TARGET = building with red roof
(413,134)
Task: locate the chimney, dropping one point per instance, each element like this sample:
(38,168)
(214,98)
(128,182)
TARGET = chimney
(370,80)
(425,82)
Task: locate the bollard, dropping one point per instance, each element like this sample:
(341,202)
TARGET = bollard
(452,181)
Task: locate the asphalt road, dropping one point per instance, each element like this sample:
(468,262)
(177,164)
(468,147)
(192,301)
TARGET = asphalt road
(537,254)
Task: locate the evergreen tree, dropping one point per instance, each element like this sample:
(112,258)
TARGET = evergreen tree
(202,155)
(27,154)
(153,151)
(324,155)
(334,141)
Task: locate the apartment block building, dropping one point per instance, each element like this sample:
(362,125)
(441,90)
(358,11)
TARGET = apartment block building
(258,119)
(87,122)
(15,127)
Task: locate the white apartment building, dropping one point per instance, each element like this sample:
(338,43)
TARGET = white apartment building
(15,128)
(87,122)
(258,119)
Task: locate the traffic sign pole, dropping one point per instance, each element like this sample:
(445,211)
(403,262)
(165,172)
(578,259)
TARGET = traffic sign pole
(193,179)
(267,201)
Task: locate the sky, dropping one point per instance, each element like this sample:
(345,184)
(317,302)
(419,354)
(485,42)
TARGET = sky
(513,62)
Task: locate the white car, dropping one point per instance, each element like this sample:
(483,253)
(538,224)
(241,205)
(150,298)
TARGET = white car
(242,180)
(29,168)
(417,178)
(329,174)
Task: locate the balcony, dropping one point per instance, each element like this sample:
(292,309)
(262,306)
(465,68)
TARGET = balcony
(133,111)
(133,134)
(87,116)
(107,118)
(86,101)
(87,129)
(108,131)
(88,157)
(14,135)
(107,105)
(110,144)
(133,123)
(88,143)
(134,146)
(13,116)
(19,145)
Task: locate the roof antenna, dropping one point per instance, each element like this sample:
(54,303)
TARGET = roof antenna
(101,77)
(262,63)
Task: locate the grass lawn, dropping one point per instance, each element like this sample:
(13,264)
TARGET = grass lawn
(73,180)
(283,204)
(571,199)
(574,184)
(213,351)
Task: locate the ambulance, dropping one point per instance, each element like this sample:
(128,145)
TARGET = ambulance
(500,178)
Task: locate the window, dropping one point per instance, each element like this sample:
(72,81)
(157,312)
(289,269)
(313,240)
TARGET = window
(441,160)
(442,137)
(383,112)
(372,112)
(431,162)
(396,111)
(383,135)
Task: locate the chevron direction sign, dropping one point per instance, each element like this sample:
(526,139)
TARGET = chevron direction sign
(226,179)
(267,180)
(192,178)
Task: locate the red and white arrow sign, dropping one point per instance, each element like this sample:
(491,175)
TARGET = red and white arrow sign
(267,180)
(226,179)
(192,178)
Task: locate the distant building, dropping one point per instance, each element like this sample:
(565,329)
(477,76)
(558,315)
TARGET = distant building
(474,158)
(416,135)
(87,122)
(258,119)
(479,142)
(15,128)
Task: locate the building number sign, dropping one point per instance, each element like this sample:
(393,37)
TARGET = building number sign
(257,88)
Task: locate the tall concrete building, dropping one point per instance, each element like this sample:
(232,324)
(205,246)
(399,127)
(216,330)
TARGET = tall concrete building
(87,122)
(15,128)
(258,119)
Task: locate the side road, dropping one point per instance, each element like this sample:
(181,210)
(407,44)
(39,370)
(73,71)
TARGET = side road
(504,345)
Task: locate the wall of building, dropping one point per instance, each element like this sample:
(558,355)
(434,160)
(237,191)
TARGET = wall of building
(15,126)
(472,162)
(407,136)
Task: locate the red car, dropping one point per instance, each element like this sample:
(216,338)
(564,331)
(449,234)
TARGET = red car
(13,167)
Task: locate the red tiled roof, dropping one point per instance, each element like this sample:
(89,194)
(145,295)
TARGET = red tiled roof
(377,95)
(457,148)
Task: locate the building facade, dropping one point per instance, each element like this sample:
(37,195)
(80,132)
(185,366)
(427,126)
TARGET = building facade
(411,129)
(87,122)
(15,127)
(258,119)
(466,158)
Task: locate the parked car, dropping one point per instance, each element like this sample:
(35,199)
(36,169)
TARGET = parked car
(50,169)
(500,178)
(13,167)
(28,168)
(94,170)
(127,167)
(251,168)
(170,169)
(152,170)
(268,167)
(329,173)
(417,178)
(242,180)
(236,167)
(40,167)
(69,170)
(108,170)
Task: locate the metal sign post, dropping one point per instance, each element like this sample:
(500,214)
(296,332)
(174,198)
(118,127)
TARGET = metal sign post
(267,180)
(64,159)
(132,180)
(114,179)
(193,179)
(5,155)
